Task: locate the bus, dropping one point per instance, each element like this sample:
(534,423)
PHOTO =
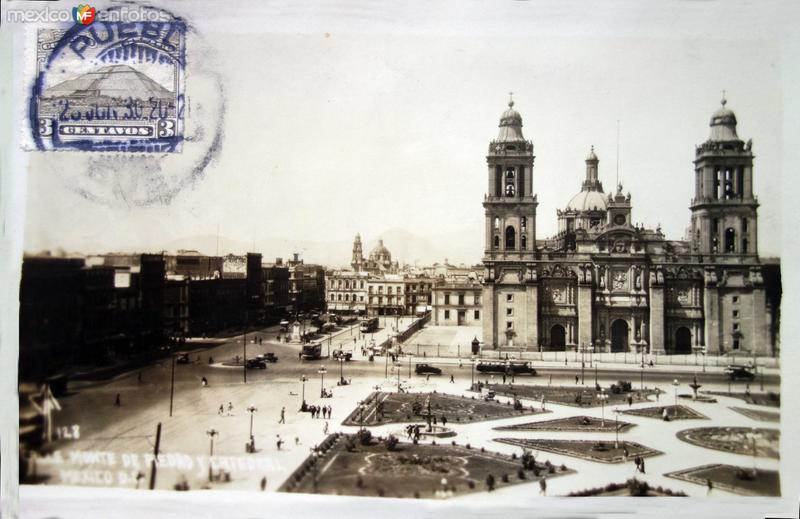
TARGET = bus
(312,351)
(369,325)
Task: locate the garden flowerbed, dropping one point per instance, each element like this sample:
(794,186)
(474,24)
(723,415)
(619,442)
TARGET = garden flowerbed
(573,423)
(739,480)
(679,412)
(593,450)
(735,439)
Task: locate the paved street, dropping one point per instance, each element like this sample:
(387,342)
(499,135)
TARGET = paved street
(131,427)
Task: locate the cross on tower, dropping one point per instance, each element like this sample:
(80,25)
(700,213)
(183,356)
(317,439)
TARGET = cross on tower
(511,99)
(723,98)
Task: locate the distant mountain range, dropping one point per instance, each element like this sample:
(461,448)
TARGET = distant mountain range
(463,247)
(407,248)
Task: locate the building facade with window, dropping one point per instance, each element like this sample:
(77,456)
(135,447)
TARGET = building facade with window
(346,291)
(606,283)
(457,302)
(386,295)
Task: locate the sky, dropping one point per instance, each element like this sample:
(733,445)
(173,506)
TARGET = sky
(365,120)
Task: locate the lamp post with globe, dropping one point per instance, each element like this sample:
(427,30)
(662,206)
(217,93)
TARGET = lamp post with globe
(322,372)
(675,385)
(602,396)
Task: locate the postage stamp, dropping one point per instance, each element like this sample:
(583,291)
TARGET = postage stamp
(110,85)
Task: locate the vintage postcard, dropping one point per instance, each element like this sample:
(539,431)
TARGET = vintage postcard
(346,258)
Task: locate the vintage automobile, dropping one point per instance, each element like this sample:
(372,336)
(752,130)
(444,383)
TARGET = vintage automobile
(256,364)
(340,354)
(268,357)
(734,372)
(182,358)
(427,369)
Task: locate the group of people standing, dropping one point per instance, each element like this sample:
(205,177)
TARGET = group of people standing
(316,411)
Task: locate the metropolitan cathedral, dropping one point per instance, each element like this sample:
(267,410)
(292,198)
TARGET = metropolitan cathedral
(605,284)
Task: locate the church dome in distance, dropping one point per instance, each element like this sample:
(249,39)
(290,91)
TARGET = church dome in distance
(587,201)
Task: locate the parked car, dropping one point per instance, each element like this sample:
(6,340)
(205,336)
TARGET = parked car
(346,355)
(268,357)
(427,369)
(736,372)
(183,358)
(256,364)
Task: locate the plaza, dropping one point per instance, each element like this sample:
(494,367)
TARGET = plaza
(204,444)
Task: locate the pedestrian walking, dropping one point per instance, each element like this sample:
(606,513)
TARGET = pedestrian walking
(625,453)
(230,409)
(504,378)
(459,364)
(283,415)
(221,409)
(204,381)
(279,442)
(709,487)
(296,440)
(330,410)
(117,401)
(543,485)
(630,400)
(576,379)
(300,355)
(452,380)
(325,429)
(444,421)
(658,393)
(543,401)
(264,483)
(641,466)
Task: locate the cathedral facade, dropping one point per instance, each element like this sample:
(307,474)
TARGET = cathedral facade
(605,284)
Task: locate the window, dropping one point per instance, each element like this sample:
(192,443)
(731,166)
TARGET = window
(523,222)
(361,298)
(510,190)
(362,284)
(447,314)
(461,299)
(509,325)
(389,290)
(509,298)
(477,314)
(730,240)
(744,245)
(510,182)
(340,297)
(497,242)
(523,242)
(735,327)
(511,236)
(744,224)
(735,299)
(497,223)
(447,299)
(509,312)
(736,313)
(735,344)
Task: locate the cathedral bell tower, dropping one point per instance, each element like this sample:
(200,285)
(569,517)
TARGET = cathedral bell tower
(724,210)
(509,295)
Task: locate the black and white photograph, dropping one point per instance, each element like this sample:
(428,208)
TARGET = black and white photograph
(337,259)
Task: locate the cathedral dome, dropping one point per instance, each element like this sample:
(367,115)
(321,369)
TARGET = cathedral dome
(723,124)
(587,201)
(380,253)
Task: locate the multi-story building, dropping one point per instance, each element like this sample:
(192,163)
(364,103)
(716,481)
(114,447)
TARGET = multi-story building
(606,283)
(457,302)
(386,295)
(346,291)
(306,285)
(176,307)
(276,290)
(418,289)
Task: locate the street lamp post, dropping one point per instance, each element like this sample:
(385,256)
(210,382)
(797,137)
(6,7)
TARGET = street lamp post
(322,372)
(410,355)
(341,370)
(361,407)
(641,375)
(172,385)
(211,433)
(753,435)
(251,409)
(602,396)
(303,380)
(472,386)
(398,365)
(616,428)
(675,385)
